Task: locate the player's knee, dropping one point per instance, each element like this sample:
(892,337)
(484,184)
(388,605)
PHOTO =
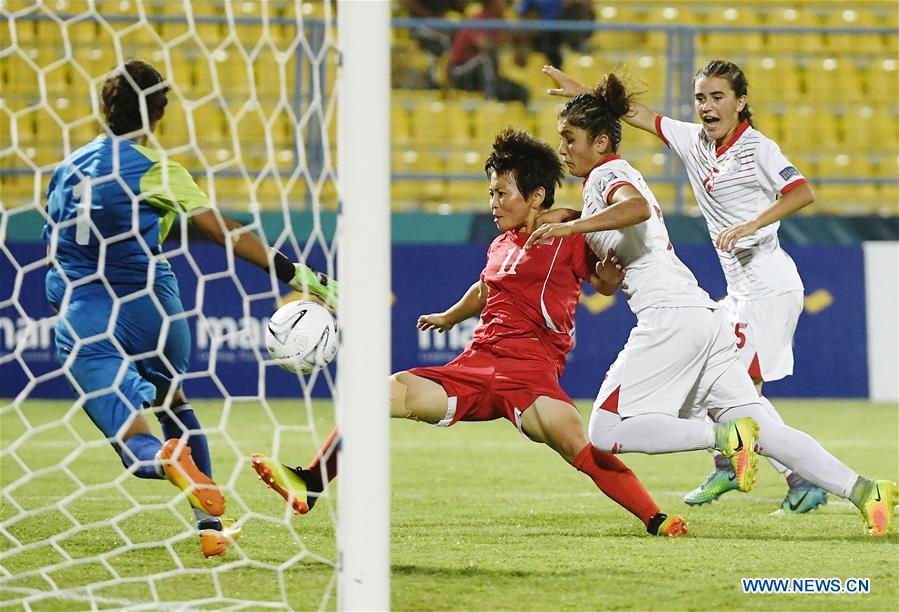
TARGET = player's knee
(602,425)
(398,391)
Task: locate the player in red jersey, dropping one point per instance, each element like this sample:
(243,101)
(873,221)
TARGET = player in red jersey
(511,369)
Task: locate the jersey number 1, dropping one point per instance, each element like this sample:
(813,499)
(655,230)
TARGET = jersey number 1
(82,194)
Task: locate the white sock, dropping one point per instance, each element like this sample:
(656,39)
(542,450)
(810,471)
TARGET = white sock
(798,450)
(649,433)
(768,407)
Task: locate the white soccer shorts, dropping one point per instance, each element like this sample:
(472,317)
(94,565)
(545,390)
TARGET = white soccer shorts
(677,361)
(763,330)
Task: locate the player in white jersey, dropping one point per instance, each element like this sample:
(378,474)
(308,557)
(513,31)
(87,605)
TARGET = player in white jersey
(744,186)
(680,362)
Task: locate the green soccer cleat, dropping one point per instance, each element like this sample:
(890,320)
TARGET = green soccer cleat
(801,499)
(316,284)
(717,484)
(736,440)
(877,508)
(287,482)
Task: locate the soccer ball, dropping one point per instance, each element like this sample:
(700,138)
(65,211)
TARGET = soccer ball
(301,337)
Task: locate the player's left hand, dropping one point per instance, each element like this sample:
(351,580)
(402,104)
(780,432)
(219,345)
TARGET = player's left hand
(549,230)
(315,284)
(558,215)
(728,238)
(610,270)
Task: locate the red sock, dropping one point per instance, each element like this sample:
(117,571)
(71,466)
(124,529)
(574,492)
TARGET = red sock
(617,481)
(328,453)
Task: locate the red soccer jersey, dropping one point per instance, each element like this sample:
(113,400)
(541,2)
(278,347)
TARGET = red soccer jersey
(534,293)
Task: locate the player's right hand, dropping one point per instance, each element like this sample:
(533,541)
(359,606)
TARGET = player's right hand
(437,320)
(567,86)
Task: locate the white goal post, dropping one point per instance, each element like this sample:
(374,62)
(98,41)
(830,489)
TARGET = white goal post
(363,234)
(251,107)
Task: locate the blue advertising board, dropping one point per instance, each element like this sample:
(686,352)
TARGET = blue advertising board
(830,342)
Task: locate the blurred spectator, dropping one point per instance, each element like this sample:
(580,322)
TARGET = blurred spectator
(550,43)
(473,63)
(434,41)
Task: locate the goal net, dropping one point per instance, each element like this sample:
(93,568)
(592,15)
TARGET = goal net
(252,114)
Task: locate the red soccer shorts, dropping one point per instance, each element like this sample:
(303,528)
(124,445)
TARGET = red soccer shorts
(493,381)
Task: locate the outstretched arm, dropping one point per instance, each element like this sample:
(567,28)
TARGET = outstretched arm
(785,206)
(247,245)
(471,304)
(639,116)
(627,208)
(219,229)
(558,215)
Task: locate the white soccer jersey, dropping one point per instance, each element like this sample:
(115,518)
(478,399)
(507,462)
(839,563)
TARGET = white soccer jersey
(653,276)
(732,184)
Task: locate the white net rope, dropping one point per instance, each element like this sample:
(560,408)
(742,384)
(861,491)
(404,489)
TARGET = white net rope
(251,116)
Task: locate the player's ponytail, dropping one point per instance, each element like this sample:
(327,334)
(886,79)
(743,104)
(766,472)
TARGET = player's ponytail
(121,96)
(600,110)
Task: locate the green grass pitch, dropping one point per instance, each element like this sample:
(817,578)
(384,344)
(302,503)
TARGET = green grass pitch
(481,520)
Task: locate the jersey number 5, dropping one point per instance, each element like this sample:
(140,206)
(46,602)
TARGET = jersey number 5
(741,337)
(511,269)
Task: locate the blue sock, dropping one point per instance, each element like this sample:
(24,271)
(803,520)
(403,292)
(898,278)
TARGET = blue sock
(199,447)
(143,448)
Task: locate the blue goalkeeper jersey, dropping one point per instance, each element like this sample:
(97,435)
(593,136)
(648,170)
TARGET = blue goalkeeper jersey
(125,193)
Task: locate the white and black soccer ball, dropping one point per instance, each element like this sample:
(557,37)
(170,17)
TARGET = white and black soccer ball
(301,337)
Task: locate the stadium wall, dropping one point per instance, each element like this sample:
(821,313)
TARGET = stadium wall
(837,351)
(881,300)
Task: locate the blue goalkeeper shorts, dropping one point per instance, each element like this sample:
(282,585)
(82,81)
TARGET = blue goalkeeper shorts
(120,359)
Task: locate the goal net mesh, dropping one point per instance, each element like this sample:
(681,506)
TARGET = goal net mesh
(251,116)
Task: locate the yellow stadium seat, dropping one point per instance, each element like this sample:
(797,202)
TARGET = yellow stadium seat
(773,81)
(725,41)
(617,40)
(879,81)
(832,79)
(589,69)
(887,199)
(401,130)
(491,117)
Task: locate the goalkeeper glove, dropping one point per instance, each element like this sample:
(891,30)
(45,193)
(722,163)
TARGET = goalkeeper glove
(309,282)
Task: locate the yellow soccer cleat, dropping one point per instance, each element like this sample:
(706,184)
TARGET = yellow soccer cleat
(181,471)
(673,527)
(285,481)
(214,542)
(736,439)
(877,508)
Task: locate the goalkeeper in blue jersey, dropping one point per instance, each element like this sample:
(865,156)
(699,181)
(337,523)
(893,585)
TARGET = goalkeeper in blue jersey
(121,332)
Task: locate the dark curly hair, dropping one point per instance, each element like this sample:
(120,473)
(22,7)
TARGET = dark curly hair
(532,161)
(730,72)
(599,111)
(122,92)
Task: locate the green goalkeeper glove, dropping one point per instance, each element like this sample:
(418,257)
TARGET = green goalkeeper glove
(317,284)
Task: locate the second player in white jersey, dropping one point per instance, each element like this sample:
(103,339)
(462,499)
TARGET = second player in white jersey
(733,184)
